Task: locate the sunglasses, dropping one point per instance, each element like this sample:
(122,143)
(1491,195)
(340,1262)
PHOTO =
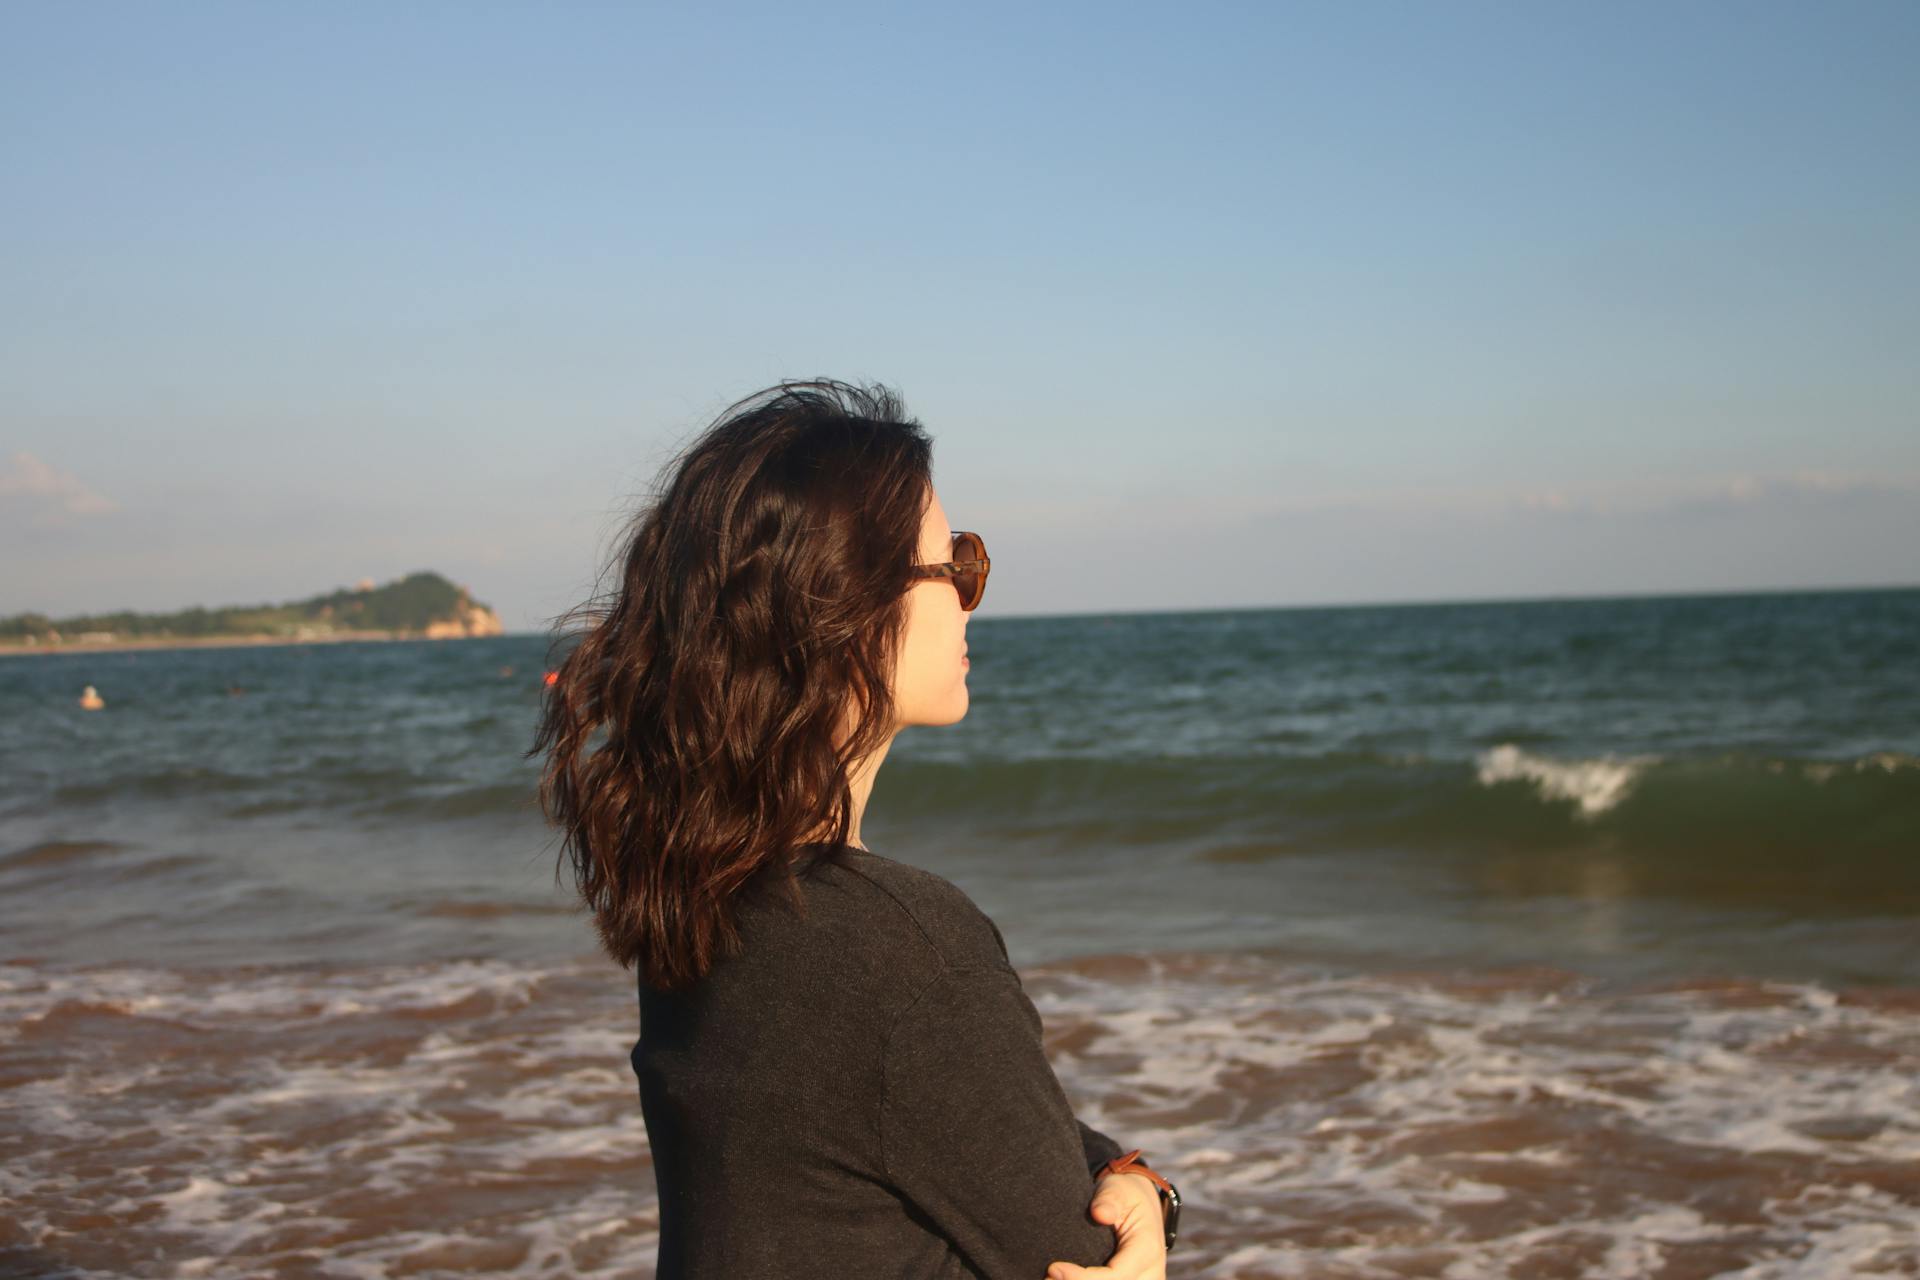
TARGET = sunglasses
(968,569)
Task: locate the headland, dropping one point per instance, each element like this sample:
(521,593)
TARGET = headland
(420,606)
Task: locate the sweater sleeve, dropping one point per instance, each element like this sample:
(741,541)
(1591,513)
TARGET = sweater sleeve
(976,1131)
(1097,1146)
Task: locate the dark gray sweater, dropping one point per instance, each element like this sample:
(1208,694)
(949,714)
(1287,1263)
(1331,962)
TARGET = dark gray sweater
(862,1093)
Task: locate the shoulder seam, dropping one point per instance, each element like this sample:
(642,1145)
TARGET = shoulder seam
(947,974)
(908,912)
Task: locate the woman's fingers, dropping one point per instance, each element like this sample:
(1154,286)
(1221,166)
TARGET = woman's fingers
(1141,1256)
(1116,1270)
(1131,1206)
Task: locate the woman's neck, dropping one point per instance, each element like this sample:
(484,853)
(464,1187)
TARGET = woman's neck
(860,786)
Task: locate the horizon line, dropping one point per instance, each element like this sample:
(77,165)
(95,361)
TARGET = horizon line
(1433,602)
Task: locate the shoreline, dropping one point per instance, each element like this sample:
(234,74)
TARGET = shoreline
(220,642)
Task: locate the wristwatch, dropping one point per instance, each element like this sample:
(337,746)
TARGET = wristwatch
(1169,1196)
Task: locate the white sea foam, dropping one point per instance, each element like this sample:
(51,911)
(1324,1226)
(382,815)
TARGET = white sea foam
(1404,1102)
(1885,761)
(1352,1125)
(1594,786)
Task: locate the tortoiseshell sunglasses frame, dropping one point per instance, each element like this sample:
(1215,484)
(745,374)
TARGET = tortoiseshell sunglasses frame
(952,569)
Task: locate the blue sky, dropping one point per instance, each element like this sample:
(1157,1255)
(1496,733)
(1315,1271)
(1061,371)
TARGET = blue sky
(1204,305)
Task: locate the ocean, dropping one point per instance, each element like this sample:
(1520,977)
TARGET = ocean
(1535,939)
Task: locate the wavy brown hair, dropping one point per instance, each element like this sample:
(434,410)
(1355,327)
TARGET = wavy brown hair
(711,708)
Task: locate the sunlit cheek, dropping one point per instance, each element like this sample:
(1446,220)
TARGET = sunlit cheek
(934,694)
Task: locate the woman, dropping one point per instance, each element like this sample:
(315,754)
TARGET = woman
(839,1071)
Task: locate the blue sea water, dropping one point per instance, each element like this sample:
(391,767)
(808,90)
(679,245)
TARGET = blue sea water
(1633,786)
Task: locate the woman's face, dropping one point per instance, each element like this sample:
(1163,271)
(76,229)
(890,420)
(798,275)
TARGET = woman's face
(930,681)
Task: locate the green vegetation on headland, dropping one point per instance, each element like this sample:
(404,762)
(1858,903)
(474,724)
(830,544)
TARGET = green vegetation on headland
(419,606)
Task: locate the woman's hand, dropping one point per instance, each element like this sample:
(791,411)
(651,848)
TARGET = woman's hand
(1130,1204)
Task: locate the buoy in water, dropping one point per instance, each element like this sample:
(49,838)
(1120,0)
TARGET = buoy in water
(553,677)
(90,699)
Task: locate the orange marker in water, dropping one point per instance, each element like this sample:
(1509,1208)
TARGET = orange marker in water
(553,677)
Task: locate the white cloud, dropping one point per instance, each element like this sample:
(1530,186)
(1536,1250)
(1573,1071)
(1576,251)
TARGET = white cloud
(28,480)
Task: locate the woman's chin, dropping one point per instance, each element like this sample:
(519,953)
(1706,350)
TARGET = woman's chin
(957,709)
